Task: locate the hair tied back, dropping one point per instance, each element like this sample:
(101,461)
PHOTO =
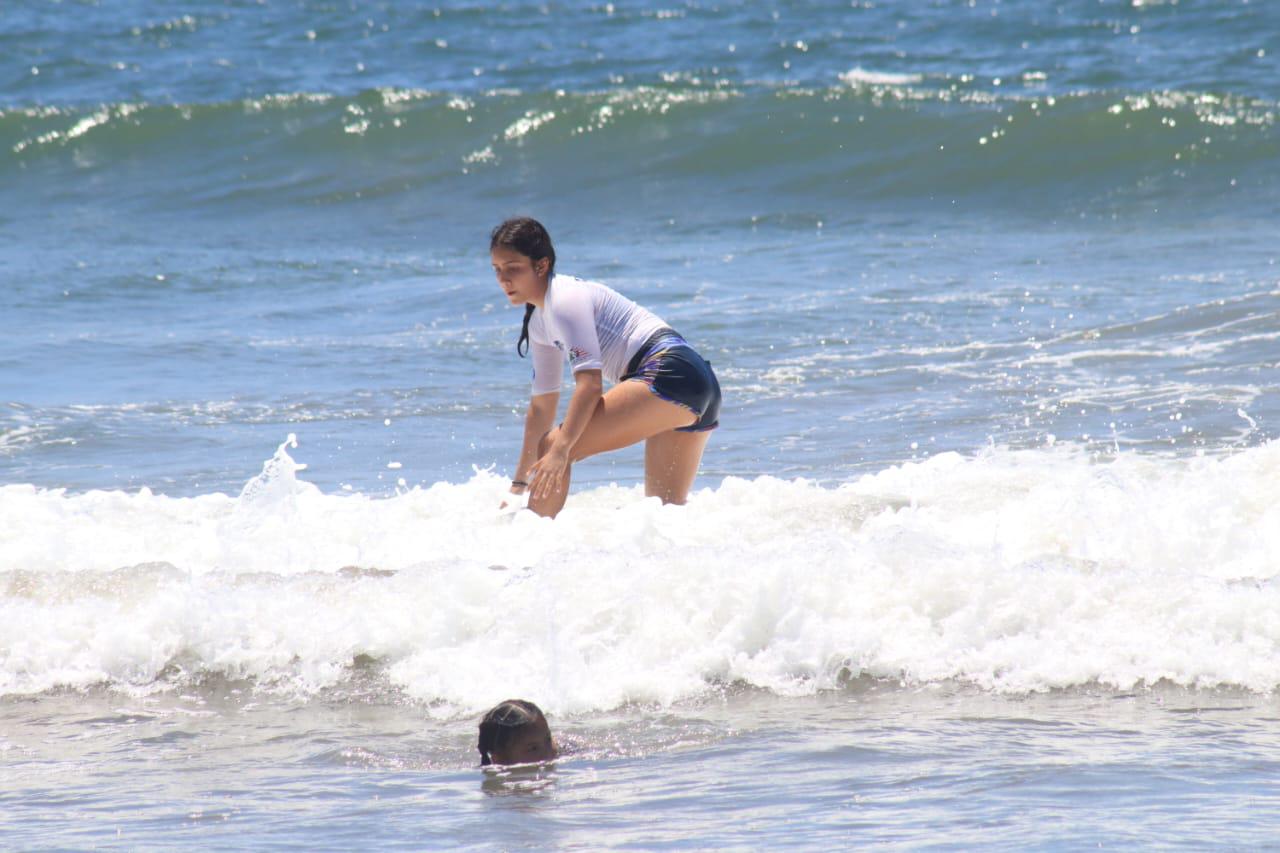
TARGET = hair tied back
(528,237)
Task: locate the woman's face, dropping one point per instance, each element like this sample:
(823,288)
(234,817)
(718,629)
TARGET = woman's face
(520,277)
(532,743)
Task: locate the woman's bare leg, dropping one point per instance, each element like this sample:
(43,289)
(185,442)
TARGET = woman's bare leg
(671,462)
(628,413)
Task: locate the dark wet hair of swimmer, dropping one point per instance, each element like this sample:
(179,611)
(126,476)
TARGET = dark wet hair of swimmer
(515,732)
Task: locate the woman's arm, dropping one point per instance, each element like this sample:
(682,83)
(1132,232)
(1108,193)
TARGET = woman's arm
(548,471)
(537,423)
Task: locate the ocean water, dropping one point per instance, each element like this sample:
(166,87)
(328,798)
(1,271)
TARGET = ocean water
(986,550)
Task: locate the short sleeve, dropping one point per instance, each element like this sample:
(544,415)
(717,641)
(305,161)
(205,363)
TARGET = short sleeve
(548,368)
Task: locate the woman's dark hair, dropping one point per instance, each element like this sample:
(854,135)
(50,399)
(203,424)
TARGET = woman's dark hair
(529,238)
(501,724)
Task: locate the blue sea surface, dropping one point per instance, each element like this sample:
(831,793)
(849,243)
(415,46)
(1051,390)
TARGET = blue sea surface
(984,551)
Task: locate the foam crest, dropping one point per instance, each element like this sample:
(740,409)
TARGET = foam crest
(877,132)
(861,76)
(1011,570)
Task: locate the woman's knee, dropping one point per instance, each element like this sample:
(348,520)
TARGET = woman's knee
(544,443)
(548,439)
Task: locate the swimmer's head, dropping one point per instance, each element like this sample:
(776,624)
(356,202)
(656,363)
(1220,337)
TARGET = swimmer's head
(515,732)
(528,237)
(524,261)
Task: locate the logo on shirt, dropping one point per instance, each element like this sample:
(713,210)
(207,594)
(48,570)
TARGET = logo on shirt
(576,353)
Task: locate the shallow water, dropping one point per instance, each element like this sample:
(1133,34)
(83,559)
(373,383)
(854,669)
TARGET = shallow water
(873,763)
(984,552)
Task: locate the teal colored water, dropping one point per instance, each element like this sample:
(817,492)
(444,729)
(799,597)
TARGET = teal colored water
(992,291)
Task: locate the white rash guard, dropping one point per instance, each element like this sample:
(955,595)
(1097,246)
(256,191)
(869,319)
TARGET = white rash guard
(595,327)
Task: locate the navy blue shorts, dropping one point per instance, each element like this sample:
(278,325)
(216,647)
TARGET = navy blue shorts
(674,371)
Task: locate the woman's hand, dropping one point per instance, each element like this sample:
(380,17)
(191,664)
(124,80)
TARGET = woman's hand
(537,423)
(548,473)
(518,487)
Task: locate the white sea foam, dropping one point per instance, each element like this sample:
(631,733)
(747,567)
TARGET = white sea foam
(12,439)
(862,76)
(1012,570)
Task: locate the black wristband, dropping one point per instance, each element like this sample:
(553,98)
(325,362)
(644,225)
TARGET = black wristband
(519,483)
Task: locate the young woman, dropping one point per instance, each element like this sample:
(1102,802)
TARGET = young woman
(664,393)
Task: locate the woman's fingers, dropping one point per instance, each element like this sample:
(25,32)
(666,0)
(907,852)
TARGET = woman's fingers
(546,474)
(536,479)
(552,482)
(543,483)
